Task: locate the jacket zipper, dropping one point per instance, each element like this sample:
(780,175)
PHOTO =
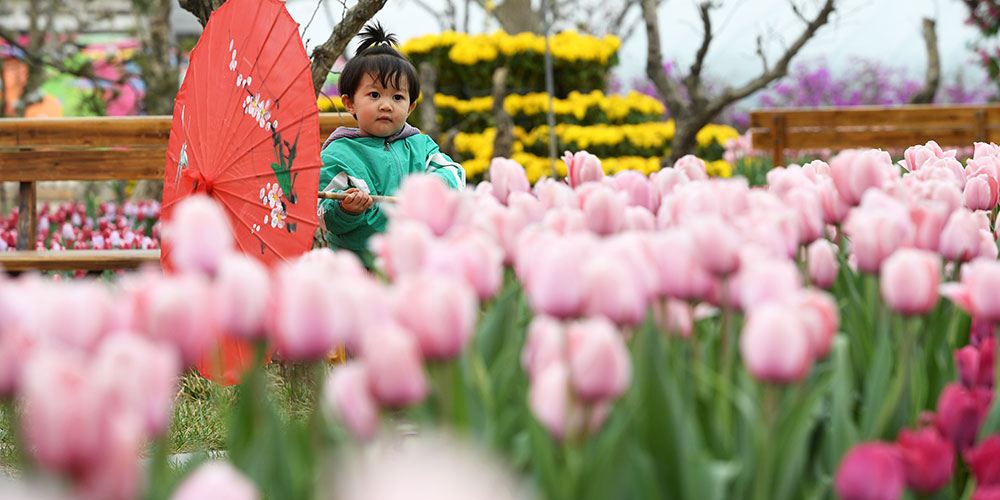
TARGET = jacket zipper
(399,171)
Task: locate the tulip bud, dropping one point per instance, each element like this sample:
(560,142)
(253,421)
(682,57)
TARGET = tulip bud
(346,395)
(439,310)
(507,177)
(199,234)
(960,412)
(582,167)
(870,471)
(928,459)
(823,265)
(395,367)
(600,366)
(775,345)
(217,480)
(910,279)
(984,461)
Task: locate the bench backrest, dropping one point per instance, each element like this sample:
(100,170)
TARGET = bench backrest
(91,149)
(777,130)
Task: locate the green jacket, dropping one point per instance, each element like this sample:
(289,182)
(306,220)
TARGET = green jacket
(375,165)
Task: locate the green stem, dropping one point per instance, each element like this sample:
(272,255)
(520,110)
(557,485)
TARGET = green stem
(770,411)
(726,367)
(898,383)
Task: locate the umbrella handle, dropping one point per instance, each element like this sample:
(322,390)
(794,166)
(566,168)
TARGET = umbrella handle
(329,195)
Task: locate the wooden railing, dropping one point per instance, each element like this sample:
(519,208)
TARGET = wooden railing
(778,130)
(87,149)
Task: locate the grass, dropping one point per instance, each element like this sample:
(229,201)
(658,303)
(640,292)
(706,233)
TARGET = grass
(200,411)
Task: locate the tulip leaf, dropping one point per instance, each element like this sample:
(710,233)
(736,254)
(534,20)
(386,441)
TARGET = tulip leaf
(841,432)
(878,374)
(796,429)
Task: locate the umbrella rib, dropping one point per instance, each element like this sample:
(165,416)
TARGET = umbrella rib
(242,197)
(233,114)
(251,176)
(245,224)
(240,145)
(247,150)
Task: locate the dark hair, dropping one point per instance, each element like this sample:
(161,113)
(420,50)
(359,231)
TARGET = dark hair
(386,64)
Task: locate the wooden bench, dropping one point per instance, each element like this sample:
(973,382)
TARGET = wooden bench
(898,127)
(87,149)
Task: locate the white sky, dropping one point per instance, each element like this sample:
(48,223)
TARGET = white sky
(886,30)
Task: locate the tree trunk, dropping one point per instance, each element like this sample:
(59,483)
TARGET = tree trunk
(933,77)
(326,54)
(517,16)
(503,143)
(685,139)
(160,76)
(428,111)
(201,8)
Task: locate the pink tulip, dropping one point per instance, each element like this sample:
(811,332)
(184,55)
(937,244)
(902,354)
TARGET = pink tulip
(439,310)
(667,179)
(775,345)
(987,246)
(527,205)
(766,281)
(181,310)
(960,412)
(979,287)
(469,256)
(680,273)
(612,292)
(870,471)
(62,412)
(243,292)
(640,191)
(582,167)
(781,180)
(604,211)
(693,167)
(403,248)
(980,193)
(341,263)
(395,367)
(679,318)
(916,156)
(876,229)
(910,280)
(217,480)
(638,219)
(984,461)
(565,220)
(503,226)
(823,265)
(138,377)
(117,474)
(427,199)
(599,363)
(960,238)
(554,194)
(346,395)
(834,207)
(549,398)
(507,176)
(820,317)
(544,346)
(718,244)
(200,235)
(555,284)
(77,314)
(928,459)
(928,219)
(854,171)
(982,149)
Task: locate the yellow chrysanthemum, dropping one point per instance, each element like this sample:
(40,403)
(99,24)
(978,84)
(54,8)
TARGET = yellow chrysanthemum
(719,168)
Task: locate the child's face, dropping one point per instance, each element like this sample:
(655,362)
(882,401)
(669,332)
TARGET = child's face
(381,111)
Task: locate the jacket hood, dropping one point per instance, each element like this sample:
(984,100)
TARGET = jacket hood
(354,133)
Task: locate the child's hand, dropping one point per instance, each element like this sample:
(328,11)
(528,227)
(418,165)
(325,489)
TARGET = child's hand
(357,201)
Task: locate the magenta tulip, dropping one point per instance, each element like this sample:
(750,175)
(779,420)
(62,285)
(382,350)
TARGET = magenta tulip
(984,461)
(960,412)
(928,459)
(870,471)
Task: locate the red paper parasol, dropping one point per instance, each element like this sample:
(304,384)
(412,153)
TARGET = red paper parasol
(246,132)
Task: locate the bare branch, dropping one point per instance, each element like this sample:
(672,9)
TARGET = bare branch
(666,88)
(798,13)
(201,8)
(433,12)
(693,80)
(36,58)
(313,16)
(933,77)
(760,52)
(326,54)
(780,68)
